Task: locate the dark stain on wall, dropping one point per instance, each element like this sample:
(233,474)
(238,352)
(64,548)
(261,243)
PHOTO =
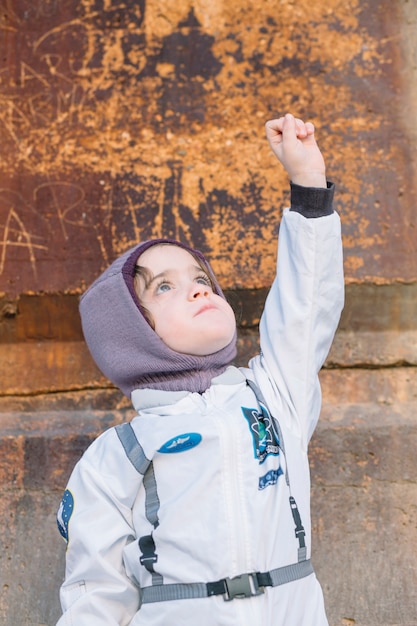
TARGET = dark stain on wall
(123,120)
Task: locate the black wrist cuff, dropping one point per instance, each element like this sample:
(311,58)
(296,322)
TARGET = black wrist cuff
(312,201)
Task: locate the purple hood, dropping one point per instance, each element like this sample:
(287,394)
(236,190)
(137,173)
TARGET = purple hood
(125,347)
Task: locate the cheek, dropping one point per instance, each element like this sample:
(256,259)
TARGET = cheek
(157,315)
(163,323)
(229,312)
(229,319)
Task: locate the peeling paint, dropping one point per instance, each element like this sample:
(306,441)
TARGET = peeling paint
(166,105)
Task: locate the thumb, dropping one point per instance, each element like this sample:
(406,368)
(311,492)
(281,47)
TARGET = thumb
(289,130)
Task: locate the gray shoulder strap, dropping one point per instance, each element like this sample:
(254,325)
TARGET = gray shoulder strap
(143,466)
(132,447)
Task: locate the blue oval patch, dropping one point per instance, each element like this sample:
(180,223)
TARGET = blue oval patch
(180,443)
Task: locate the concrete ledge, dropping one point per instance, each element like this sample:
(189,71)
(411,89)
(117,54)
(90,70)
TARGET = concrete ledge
(39,452)
(41,336)
(387,348)
(364,499)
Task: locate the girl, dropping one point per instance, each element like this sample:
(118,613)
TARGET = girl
(198,510)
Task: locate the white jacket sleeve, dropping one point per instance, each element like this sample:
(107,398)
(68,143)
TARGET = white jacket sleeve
(96,516)
(302,312)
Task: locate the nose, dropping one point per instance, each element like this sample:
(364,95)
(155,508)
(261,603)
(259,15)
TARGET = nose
(199,290)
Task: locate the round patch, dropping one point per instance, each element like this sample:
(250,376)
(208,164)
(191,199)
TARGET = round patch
(65,511)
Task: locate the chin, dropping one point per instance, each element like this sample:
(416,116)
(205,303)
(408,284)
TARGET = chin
(214,346)
(210,345)
(211,348)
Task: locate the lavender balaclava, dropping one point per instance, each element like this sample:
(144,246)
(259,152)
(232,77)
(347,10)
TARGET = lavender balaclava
(123,344)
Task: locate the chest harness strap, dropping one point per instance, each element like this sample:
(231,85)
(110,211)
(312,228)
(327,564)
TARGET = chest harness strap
(299,528)
(144,466)
(242,586)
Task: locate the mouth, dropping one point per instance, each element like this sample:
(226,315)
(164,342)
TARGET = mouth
(203,309)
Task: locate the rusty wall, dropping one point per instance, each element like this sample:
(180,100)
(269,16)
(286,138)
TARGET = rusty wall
(124,120)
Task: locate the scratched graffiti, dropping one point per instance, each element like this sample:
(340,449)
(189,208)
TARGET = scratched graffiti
(38,231)
(123,120)
(68,229)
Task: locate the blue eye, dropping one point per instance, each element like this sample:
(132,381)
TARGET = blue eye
(204,280)
(163,287)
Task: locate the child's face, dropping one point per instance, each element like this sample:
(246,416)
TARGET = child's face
(186,314)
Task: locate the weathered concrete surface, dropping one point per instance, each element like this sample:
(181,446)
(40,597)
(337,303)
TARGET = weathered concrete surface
(124,120)
(37,456)
(364,501)
(364,497)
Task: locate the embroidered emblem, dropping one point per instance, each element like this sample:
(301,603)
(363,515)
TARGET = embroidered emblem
(270,478)
(181,443)
(265,441)
(65,511)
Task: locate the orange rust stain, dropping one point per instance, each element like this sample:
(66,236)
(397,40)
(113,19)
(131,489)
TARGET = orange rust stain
(154,114)
(353,263)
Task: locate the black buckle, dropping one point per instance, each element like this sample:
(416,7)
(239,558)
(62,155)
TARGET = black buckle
(148,557)
(243,586)
(147,560)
